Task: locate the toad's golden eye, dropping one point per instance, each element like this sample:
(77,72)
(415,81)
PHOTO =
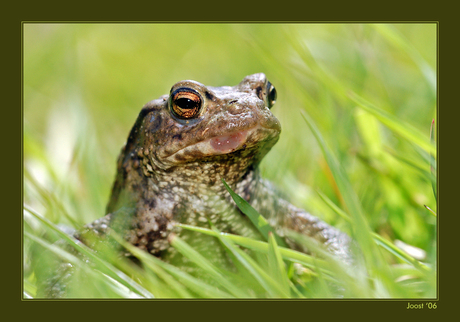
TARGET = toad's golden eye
(185,103)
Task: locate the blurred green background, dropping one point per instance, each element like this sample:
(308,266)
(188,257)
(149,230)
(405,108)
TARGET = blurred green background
(84,85)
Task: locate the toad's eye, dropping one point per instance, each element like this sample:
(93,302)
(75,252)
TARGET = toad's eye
(185,103)
(271,97)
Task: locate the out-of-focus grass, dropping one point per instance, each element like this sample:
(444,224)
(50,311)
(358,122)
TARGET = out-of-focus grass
(370,90)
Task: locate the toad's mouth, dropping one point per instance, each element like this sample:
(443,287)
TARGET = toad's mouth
(256,138)
(228,143)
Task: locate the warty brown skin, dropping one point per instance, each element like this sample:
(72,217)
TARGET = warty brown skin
(170,171)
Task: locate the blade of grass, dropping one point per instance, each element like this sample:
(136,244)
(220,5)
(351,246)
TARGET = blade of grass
(433,163)
(386,244)
(257,219)
(217,274)
(430,210)
(414,164)
(101,264)
(276,264)
(399,253)
(286,253)
(175,288)
(29,288)
(334,207)
(278,267)
(271,286)
(108,281)
(49,198)
(362,231)
(377,268)
(346,275)
(199,287)
(369,129)
(62,253)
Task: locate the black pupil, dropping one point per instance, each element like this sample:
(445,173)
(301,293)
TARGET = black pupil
(186,103)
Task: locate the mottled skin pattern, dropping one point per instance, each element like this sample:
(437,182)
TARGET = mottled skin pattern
(170,171)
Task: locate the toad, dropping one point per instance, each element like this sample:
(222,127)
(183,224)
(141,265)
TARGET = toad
(171,168)
(180,148)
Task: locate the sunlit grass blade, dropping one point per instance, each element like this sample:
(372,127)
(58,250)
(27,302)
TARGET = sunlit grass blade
(214,272)
(257,220)
(430,210)
(361,229)
(399,253)
(369,129)
(260,246)
(118,289)
(29,288)
(386,244)
(276,264)
(377,268)
(334,207)
(173,287)
(27,295)
(346,275)
(101,264)
(406,131)
(49,198)
(59,251)
(433,162)
(272,288)
(177,276)
(420,167)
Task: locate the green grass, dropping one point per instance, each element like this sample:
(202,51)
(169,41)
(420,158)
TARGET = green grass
(357,149)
